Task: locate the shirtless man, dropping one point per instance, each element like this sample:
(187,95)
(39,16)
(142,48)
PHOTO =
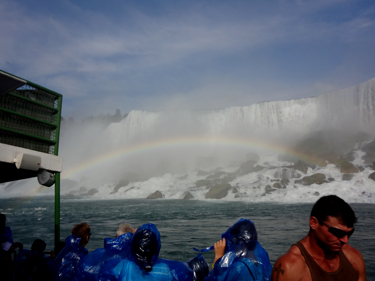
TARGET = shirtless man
(324,254)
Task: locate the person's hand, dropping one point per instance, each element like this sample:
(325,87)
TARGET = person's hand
(18,245)
(219,249)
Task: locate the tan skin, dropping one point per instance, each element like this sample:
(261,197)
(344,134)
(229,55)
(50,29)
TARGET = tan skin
(219,248)
(324,248)
(85,240)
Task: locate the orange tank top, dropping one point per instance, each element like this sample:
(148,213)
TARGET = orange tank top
(345,271)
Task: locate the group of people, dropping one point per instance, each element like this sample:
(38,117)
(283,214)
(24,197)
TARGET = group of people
(324,254)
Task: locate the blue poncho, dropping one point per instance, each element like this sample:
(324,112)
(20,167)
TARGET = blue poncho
(199,267)
(65,264)
(6,239)
(143,262)
(6,235)
(180,271)
(114,249)
(195,269)
(31,265)
(244,257)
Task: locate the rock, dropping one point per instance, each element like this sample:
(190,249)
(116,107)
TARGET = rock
(372,176)
(318,178)
(219,177)
(347,168)
(234,190)
(316,193)
(350,156)
(205,183)
(201,173)
(301,166)
(258,168)
(240,195)
(216,175)
(285,182)
(120,184)
(331,179)
(347,177)
(188,196)
(82,189)
(323,164)
(91,192)
(247,168)
(370,152)
(276,185)
(328,144)
(218,191)
(361,169)
(287,173)
(269,189)
(284,173)
(156,195)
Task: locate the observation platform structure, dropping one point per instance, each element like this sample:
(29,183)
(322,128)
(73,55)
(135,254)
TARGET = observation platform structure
(30,118)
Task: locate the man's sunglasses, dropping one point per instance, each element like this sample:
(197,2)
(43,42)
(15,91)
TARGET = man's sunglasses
(339,233)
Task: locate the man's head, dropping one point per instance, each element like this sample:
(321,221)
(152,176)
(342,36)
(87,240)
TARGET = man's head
(124,228)
(331,222)
(38,245)
(83,231)
(333,206)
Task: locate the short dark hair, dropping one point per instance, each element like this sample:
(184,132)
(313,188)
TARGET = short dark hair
(81,230)
(38,245)
(333,206)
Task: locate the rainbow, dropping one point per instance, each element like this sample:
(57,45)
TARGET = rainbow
(181,143)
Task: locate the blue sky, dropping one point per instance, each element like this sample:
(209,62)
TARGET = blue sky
(177,54)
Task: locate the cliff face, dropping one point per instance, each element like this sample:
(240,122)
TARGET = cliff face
(216,153)
(351,109)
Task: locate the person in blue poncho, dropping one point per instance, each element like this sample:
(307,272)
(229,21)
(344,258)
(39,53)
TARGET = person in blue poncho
(199,267)
(32,264)
(143,262)
(195,269)
(65,264)
(239,256)
(113,252)
(5,234)
(6,249)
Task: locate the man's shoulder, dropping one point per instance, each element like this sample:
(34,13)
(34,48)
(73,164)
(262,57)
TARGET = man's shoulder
(290,266)
(351,251)
(355,258)
(293,258)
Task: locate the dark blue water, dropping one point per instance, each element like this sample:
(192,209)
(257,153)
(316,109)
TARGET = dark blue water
(182,224)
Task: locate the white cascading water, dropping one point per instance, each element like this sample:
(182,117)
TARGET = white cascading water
(355,104)
(163,151)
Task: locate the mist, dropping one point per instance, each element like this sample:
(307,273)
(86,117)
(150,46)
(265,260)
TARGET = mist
(146,144)
(235,148)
